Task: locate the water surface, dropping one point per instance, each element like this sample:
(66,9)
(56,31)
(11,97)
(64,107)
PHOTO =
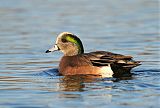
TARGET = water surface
(28,77)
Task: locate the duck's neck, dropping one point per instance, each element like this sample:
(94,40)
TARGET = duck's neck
(80,49)
(74,51)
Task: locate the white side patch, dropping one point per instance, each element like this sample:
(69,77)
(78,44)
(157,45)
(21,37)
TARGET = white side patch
(106,71)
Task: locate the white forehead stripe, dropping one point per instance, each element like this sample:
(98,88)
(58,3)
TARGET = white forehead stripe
(61,34)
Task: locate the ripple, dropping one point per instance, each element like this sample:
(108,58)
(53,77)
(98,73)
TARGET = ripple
(29,78)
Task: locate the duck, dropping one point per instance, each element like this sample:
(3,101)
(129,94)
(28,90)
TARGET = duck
(99,63)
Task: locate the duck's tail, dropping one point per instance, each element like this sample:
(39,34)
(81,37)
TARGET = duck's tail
(121,69)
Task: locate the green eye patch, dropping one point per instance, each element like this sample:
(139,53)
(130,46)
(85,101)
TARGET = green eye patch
(75,40)
(71,39)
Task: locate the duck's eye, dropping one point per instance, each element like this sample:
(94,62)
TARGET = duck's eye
(64,40)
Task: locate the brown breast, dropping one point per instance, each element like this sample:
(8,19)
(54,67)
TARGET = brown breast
(73,65)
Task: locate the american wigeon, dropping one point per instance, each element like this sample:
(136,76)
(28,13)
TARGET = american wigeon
(102,63)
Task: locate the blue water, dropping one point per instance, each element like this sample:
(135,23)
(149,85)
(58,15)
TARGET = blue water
(28,76)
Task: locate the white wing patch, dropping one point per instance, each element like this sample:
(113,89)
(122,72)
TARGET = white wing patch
(106,71)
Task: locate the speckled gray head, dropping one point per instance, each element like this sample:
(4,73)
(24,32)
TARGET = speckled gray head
(68,43)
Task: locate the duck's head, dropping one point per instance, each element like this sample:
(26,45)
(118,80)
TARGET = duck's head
(68,43)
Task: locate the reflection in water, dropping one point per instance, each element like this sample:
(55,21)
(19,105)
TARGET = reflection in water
(70,83)
(77,82)
(69,95)
(75,88)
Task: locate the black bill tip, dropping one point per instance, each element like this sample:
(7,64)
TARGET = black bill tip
(48,51)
